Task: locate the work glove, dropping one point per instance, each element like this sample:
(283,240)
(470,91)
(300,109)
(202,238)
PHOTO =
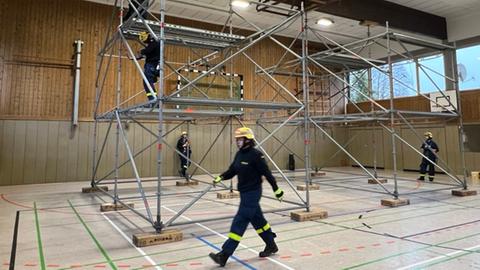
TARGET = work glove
(217,180)
(279,194)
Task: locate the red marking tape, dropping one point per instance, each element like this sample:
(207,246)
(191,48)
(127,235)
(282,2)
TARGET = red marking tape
(325,252)
(189,110)
(360,247)
(30,264)
(53,265)
(171,264)
(306,254)
(75,266)
(100,266)
(391,242)
(159,146)
(286,257)
(124,266)
(306,141)
(343,249)
(376,245)
(196,263)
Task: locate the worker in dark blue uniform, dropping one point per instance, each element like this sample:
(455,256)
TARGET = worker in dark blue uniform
(430,150)
(183,146)
(151,53)
(249,166)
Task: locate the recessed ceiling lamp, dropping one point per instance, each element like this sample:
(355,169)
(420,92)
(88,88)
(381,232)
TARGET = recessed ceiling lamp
(325,22)
(240,3)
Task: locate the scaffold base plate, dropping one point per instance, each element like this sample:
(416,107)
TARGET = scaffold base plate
(314,214)
(187,183)
(151,239)
(228,195)
(395,202)
(464,192)
(310,187)
(94,189)
(380,180)
(109,207)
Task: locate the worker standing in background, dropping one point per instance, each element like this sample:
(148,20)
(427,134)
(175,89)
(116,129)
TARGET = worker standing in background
(249,166)
(140,5)
(430,150)
(151,53)
(183,146)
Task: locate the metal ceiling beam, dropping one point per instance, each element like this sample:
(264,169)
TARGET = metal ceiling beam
(381,11)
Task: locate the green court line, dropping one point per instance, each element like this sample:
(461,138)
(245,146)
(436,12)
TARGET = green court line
(449,258)
(411,251)
(99,246)
(39,238)
(280,241)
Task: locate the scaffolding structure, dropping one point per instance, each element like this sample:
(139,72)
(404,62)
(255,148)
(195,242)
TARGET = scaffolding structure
(219,49)
(337,62)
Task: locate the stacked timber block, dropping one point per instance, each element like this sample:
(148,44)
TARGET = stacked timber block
(187,183)
(310,187)
(150,239)
(317,174)
(94,189)
(395,202)
(380,180)
(475,178)
(108,207)
(313,214)
(228,195)
(464,192)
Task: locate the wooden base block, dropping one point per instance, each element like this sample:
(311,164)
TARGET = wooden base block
(228,195)
(395,202)
(94,189)
(316,174)
(310,187)
(150,239)
(107,207)
(314,214)
(381,180)
(464,192)
(187,183)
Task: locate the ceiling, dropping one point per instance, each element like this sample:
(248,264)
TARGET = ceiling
(348,28)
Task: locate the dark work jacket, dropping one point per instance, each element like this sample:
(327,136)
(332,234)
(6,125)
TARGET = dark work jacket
(180,145)
(152,52)
(249,165)
(427,147)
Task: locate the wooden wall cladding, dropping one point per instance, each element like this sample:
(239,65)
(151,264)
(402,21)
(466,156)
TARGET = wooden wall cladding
(470,105)
(35,152)
(36,52)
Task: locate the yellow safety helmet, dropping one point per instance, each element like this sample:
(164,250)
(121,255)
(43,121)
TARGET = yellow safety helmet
(184,133)
(428,134)
(143,36)
(244,132)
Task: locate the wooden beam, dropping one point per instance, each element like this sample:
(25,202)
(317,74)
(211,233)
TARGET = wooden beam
(381,11)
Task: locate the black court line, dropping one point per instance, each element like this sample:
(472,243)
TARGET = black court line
(14,242)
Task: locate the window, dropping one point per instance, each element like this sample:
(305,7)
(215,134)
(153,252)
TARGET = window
(468,61)
(431,73)
(405,83)
(359,82)
(380,83)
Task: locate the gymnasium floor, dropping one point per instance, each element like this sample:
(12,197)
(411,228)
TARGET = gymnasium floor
(65,229)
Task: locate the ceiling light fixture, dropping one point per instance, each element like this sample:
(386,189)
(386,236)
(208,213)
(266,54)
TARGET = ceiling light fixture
(240,3)
(325,22)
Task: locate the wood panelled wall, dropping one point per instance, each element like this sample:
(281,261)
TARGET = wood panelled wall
(36,52)
(470,105)
(33,152)
(446,137)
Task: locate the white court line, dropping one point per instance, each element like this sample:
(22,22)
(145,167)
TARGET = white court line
(224,237)
(438,258)
(152,262)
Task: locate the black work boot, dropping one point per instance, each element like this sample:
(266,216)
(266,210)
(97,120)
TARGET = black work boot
(220,258)
(269,250)
(421,178)
(430,179)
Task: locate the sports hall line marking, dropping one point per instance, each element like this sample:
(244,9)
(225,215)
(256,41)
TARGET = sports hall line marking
(39,238)
(148,258)
(448,256)
(233,257)
(97,243)
(224,237)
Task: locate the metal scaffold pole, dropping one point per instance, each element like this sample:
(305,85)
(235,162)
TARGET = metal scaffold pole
(160,95)
(306,92)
